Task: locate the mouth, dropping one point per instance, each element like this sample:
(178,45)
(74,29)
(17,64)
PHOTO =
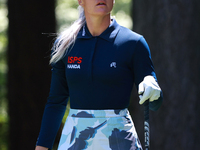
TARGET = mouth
(101,4)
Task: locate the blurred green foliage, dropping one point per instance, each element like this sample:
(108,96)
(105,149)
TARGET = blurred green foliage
(66,13)
(3,71)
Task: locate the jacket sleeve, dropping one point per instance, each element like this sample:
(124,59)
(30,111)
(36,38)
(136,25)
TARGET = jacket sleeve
(143,66)
(55,106)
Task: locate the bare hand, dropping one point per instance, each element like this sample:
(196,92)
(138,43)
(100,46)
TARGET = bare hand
(41,148)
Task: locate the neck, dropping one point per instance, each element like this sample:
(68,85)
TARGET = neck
(97,25)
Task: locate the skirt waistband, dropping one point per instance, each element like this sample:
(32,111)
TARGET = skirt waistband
(108,113)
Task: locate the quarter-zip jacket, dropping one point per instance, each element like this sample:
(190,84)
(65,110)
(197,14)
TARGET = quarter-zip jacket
(97,73)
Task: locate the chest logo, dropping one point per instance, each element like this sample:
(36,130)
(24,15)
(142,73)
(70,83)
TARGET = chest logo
(113,64)
(74,62)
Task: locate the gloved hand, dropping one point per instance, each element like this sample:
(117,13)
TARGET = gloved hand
(148,89)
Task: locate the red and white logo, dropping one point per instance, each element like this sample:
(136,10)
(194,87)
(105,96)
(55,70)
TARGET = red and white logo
(74,62)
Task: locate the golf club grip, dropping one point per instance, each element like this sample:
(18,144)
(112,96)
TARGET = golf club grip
(146,126)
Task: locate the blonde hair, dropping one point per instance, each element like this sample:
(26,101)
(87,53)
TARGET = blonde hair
(67,38)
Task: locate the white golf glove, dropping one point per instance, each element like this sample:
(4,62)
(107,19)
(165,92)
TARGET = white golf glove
(148,89)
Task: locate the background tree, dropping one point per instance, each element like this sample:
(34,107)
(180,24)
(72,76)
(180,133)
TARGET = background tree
(28,69)
(172,31)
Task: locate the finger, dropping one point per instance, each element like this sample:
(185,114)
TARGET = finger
(146,95)
(155,95)
(142,101)
(141,88)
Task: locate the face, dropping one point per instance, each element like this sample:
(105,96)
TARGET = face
(97,7)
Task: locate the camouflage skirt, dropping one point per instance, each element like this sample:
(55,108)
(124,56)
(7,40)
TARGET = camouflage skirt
(99,130)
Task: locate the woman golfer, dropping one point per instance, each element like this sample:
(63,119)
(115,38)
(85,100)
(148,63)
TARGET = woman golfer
(96,62)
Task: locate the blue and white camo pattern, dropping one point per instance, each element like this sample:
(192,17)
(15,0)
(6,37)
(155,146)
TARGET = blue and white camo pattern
(99,130)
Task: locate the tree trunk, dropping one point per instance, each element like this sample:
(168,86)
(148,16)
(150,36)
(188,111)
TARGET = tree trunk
(29,71)
(172,31)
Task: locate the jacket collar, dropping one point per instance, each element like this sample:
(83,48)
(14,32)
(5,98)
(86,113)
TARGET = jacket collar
(109,34)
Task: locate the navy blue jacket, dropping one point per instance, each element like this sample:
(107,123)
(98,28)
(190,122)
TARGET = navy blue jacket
(97,73)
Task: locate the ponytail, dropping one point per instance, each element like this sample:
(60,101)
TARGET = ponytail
(67,37)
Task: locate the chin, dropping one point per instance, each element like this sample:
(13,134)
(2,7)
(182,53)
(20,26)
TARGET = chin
(102,13)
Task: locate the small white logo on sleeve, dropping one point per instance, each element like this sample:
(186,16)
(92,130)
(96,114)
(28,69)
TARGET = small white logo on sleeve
(113,64)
